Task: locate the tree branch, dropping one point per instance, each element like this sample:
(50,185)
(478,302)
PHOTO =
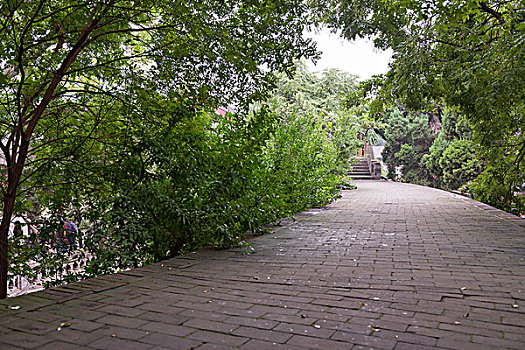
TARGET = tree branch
(485,8)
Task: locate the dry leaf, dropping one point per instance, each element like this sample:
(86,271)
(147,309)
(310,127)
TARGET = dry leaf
(458,323)
(304,316)
(317,326)
(14,307)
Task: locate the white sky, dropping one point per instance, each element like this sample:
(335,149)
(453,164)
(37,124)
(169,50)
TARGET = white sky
(358,57)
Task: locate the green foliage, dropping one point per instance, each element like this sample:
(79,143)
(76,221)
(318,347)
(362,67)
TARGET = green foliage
(444,160)
(408,138)
(432,160)
(499,187)
(206,181)
(459,163)
(180,177)
(324,100)
(453,159)
(467,55)
(79,81)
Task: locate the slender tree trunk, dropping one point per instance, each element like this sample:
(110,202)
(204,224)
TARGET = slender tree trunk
(16,165)
(7,213)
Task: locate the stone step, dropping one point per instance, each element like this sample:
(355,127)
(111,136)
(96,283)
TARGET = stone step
(359,172)
(360,177)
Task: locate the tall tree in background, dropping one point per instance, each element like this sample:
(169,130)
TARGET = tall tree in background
(71,68)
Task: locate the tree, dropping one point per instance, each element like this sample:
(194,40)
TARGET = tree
(324,98)
(74,66)
(464,54)
(408,138)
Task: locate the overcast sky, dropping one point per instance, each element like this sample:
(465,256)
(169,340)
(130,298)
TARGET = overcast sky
(359,57)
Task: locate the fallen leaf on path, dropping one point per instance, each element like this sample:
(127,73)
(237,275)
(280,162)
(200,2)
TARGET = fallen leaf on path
(457,323)
(304,316)
(317,326)
(13,307)
(63,325)
(515,306)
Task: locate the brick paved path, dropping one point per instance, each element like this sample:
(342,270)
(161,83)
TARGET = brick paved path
(389,266)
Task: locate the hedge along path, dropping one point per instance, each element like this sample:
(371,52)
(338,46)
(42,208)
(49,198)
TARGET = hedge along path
(388,266)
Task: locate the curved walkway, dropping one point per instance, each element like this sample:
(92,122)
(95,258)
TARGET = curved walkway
(388,266)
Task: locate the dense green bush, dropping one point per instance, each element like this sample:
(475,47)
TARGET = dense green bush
(180,177)
(408,138)
(440,155)
(207,181)
(453,159)
(459,164)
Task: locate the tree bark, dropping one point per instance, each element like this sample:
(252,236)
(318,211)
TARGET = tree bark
(7,213)
(16,160)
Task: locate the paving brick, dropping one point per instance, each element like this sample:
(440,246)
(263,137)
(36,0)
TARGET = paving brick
(256,344)
(58,345)
(316,343)
(32,327)
(499,342)
(366,340)
(448,343)
(409,346)
(121,310)
(159,327)
(267,335)
(169,341)
(164,318)
(210,346)
(127,322)
(308,330)
(71,336)
(24,340)
(251,322)
(121,332)
(210,325)
(218,338)
(111,343)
